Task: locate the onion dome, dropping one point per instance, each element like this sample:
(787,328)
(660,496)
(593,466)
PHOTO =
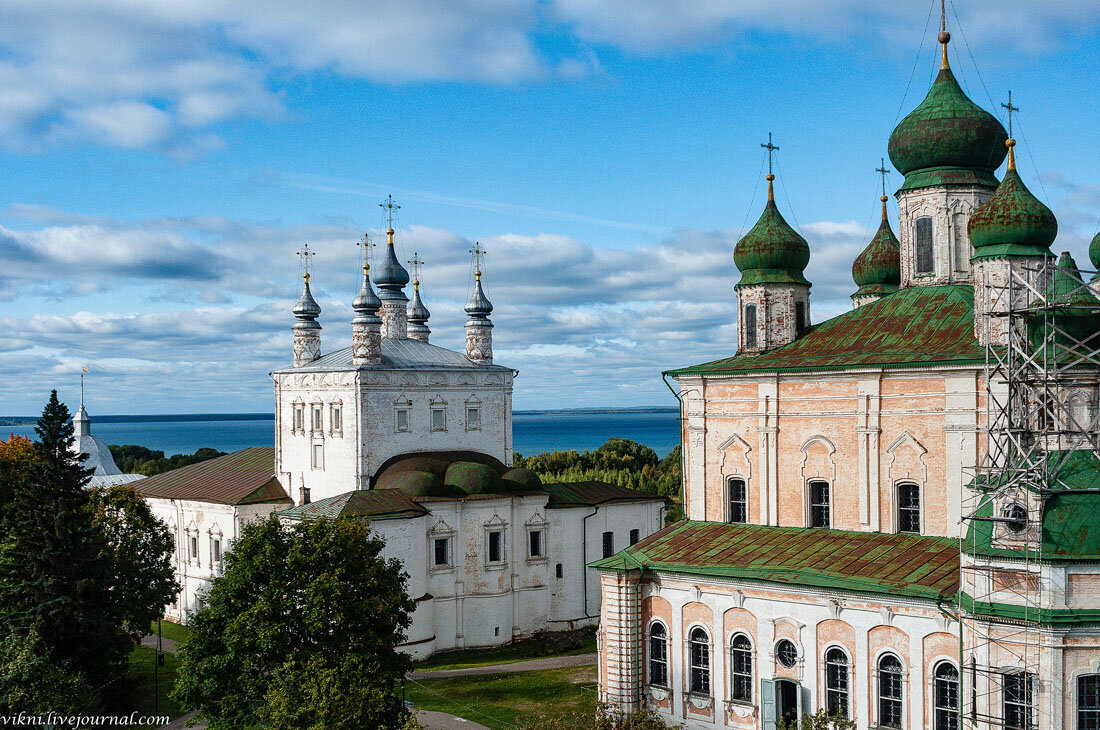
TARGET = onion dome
(877,269)
(418,315)
(1094,252)
(366,303)
(307,309)
(391,277)
(947,139)
(478,305)
(1068,317)
(1013,222)
(771,252)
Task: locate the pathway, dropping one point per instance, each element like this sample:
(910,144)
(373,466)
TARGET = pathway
(531,665)
(168,646)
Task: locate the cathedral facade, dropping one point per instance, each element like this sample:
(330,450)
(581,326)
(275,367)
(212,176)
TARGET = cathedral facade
(843,549)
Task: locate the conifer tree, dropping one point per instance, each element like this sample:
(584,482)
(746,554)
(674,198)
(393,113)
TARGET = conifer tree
(55,569)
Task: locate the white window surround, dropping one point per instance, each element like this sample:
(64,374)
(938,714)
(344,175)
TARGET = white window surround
(317,418)
(473,413)
(538,523)
(298,417)
(317,455)
(495,526)
(437,414)
(441,531)
(336,418)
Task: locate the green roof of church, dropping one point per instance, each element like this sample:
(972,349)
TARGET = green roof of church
(916,327)
(947,140)
(871,562)
(877,269)
(1094,251)
(375,503)
(1012,222)
(771,252)
(242,477)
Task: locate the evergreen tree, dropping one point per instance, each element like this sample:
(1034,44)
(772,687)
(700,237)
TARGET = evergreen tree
(55,574)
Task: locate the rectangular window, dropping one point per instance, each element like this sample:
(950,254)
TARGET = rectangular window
(439,419)
(750,325)
(534,543)
(1018,699)
(299,417)
(558,571)
(305,495)
(336,418)
(442,551)
(318,456)
(819,504)
(738,501)
(635,535)
(608,544)
(799,317)
(962,243)
(496,546)
(473,418)
(908,508)
(1088,702)
(216,551)
(318,419)
(401,419)
(658,656)
(194,547)
(923,246)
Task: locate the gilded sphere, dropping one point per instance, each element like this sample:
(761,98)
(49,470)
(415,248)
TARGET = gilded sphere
(944,36)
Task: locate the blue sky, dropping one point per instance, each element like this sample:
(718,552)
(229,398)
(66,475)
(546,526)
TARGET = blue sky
(162,162)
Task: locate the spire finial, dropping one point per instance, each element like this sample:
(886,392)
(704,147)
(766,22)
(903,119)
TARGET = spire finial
(882,170)
(388,207)
(366,244)
(944,37)
(305,255)
(83,371)
(1010,142)
(770,148)
(478,252)
(417,263)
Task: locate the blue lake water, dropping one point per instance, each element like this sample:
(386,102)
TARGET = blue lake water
(532,432)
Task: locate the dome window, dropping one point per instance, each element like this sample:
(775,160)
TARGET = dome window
(1015,517)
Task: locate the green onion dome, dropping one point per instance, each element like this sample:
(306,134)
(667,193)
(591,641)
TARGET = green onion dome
(1068,318)
(1094,252)
(947,139)
(1013,222)
(877,270)
(771,252)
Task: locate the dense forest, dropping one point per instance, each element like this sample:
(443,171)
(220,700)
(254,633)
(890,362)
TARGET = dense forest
(133,459)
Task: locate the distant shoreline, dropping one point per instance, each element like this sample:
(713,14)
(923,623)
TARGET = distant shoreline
(193,417)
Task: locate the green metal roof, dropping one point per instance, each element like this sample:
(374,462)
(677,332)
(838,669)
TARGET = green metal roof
(771,252)
(242,477)
(376,503)
(914,327)
(877,269)
(573,494)
(873,562)
(1012,222)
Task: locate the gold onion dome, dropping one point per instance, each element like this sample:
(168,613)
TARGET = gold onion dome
(1013,222)
(771,252)
(877,269)
(947,139)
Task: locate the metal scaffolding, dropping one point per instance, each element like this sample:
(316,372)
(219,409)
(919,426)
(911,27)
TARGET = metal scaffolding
(1042,362)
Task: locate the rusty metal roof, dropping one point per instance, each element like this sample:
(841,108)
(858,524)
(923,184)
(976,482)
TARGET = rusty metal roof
(374,503)
(915,327)
(902,565)
(572,494)
(243,477)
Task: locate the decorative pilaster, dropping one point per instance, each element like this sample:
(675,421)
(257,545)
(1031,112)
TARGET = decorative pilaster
(621,644)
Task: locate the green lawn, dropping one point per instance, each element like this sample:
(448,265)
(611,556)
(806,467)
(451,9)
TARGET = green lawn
(497,699)
(169,630)
(146,686)
(548,644)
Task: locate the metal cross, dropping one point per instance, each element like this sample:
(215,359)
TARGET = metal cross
(882,171)
(305,255)
(416,262)
(366,245)
(478,252)
(770,148)
(1010,110)
(389,207)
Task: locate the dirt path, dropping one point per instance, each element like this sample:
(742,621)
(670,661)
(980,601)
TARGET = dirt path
(531,665)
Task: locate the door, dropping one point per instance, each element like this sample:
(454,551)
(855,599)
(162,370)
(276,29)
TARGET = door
(787,701)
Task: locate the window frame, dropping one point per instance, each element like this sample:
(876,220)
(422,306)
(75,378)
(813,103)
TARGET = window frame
(1027,706)
(742,503)
(662,662)
(1094,709)
(820,513)
(799,317)
(882,700)
(741,679)
(445,540)
(780,645)
(750,326)
(502,558)
(901,509)
(699,664)
(298,417)
(924,248)
(608,543)
(540,534)
(441,409)
(475,423)
(317,455)
(317,418)
(838,681)
(398,412)
(336,418)
(945,717)
(635,536)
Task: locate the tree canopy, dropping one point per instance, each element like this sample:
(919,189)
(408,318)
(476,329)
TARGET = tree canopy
(301,631)
(133,459)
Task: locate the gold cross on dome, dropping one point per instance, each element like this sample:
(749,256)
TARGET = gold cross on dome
(770,148)
(417,263)
(478,253)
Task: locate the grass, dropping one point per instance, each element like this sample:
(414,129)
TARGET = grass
(499,701)
(146,687)
(169,630)
(560,643)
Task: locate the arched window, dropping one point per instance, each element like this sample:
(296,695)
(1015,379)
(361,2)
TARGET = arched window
(750,325)
(820,514)
(909,508)
(1018,697)
(738,501)
(945,696)
(658,655)
(923,246)
(1088,702)
(891,690)
(799,317)
(963,252)
(699,661)
(741,668)
(836,682)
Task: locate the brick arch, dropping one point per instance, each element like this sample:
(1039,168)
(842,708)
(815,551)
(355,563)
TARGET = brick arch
(739,620)
(657,607)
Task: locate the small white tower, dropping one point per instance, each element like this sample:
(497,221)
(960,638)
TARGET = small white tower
(479,330)
(391,279)
(366,326)
(307,330)
(417,313)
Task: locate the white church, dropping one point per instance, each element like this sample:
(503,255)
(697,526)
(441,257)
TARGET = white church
(417,439)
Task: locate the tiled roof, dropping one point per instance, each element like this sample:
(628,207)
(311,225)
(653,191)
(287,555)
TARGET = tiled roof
(871,562)
(914,327)
(572,494)
(397,354)
(377,503)
(243,477)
